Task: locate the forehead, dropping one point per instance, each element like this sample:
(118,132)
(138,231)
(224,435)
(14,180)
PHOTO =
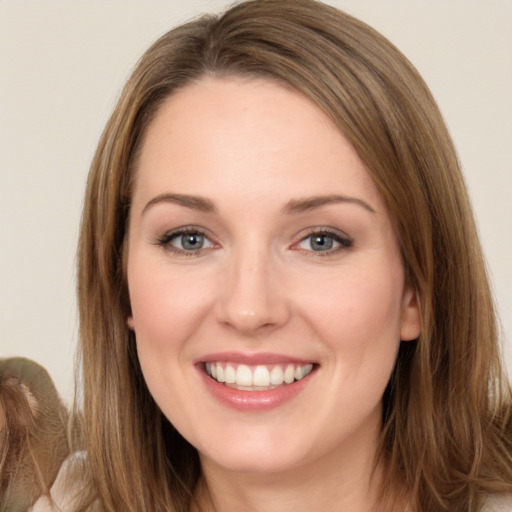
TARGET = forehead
(252,133)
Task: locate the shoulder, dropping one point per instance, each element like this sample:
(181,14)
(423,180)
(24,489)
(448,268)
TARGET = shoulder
(498,503)
(66,489)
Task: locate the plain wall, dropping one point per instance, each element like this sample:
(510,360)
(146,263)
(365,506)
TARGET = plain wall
(62,65)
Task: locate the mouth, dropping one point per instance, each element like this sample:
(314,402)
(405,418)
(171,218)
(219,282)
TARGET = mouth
(261,377)
(255,383)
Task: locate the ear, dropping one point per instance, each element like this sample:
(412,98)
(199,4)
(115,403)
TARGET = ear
(130,323)
(411,316)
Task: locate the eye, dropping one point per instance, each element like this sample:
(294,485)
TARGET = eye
(186,241)
(324,241)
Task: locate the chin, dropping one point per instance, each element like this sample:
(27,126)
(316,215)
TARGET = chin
(251,462)
(260,450)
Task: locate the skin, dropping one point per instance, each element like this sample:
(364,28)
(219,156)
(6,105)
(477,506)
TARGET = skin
(252,148)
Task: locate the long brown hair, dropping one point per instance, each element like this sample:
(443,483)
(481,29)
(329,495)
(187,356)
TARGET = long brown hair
(446,438)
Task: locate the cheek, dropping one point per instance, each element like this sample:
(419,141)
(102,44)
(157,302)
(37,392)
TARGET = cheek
(359,321)
(165,308)
(360,304)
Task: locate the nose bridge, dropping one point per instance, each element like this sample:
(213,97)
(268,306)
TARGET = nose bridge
(251,298)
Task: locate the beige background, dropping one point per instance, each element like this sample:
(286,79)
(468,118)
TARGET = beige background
(62,64)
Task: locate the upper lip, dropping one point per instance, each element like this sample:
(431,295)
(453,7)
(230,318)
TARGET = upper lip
(253,358)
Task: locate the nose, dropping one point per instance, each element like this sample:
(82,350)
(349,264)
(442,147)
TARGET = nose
(252,299)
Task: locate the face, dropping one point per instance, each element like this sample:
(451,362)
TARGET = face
(266,283)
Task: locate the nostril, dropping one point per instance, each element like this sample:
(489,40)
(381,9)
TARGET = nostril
(251,299)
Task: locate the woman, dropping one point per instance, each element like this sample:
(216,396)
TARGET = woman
(283,302)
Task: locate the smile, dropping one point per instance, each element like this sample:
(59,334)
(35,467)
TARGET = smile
(256,377)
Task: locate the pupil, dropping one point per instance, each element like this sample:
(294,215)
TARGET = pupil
(192,241)
(321,243)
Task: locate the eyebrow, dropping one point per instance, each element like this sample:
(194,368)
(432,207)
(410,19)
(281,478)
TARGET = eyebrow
(296,206)
(193,202)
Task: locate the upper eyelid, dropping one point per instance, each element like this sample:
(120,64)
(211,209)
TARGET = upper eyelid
(186,229)
(165,242)
(167,236)
(299,237)
(325,231)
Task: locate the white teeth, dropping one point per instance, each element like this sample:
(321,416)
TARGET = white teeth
(260,376)
(243,375)
(230,374)
(302,371)
(306,370)
(276,376)
(289,374)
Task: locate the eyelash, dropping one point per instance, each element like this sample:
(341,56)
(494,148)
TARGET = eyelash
(166,239)
(344,241)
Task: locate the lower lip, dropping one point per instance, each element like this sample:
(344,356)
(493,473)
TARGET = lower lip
(254,400)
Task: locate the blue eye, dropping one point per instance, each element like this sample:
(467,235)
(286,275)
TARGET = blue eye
(324,241)
(185,241)
(189,241)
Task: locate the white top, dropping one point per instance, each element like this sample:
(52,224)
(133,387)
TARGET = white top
(498,504)
(61,491)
